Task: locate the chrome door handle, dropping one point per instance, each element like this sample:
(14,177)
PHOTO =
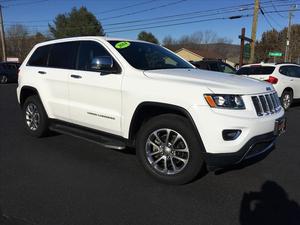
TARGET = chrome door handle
(76,76)
(42,72)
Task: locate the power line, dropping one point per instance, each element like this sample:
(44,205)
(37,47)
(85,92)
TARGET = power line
(188,22)
(239,7)
(163,19)
(126,7)
(263,13)
(25,3)
(191,22)
(274,7)
(145,10)
(173,20)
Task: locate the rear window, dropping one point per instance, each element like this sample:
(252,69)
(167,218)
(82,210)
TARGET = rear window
(39,57)
(256,70)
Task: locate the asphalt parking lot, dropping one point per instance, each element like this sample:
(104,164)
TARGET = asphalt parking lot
(61,180)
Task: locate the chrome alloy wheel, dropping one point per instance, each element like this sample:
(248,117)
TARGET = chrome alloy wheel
(3,79)
(32,117)
(167,151)
(286,101)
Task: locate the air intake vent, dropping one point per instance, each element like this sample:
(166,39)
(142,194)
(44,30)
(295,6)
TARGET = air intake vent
(266,104)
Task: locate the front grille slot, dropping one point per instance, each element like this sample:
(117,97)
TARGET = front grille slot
(266,104)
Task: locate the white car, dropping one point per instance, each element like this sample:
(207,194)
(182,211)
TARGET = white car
(285,77)
(122,93)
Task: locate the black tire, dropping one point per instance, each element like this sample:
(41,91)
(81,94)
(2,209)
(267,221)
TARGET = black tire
(286,99)
(182,126)
(42,127)
(3,79)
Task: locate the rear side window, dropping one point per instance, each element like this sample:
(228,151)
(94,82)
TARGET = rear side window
(63,55)
(39,57)
(291,71)
(261,70)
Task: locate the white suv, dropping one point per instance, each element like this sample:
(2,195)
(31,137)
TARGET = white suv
(285,78)
(122,93)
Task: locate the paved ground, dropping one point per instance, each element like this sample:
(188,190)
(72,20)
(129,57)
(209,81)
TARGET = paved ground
(63,180)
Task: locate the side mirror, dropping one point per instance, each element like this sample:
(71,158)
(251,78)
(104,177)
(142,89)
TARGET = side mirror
(99,63)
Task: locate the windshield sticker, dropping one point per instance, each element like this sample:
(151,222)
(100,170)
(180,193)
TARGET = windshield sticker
(122,44)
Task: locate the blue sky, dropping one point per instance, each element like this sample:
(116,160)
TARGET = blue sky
(36,14)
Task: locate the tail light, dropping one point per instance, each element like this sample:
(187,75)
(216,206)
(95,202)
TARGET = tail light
(272,80)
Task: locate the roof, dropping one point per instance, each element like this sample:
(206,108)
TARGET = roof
(87,38)
(202,53)
(268,64)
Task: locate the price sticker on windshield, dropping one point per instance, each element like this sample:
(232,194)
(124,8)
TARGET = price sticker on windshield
(122,44)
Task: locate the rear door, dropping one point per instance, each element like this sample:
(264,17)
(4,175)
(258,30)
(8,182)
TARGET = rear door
(61,64)
(291,78)
(95,97)
(49,68)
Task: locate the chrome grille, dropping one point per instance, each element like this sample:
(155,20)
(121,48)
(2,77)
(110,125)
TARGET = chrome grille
(266,104)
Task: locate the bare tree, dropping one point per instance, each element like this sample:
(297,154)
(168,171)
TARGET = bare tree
(19,42)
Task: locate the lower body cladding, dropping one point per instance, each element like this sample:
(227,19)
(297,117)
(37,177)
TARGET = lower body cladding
(231,139)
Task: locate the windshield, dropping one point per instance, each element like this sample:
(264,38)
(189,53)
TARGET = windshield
(146,56)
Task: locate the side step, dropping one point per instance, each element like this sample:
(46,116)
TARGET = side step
(88,135)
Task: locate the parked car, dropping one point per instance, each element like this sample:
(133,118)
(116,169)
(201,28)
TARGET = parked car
(214,65)
(285,77)
(122,93)
(9,72)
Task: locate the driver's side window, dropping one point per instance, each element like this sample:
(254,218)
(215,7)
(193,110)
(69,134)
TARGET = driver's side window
(88,51)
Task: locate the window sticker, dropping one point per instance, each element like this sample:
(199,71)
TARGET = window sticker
(122,44)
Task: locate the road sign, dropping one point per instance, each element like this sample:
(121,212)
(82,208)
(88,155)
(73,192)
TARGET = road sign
(275,54)
(247,51)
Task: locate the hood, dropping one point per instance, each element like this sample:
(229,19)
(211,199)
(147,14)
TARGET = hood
(219,83)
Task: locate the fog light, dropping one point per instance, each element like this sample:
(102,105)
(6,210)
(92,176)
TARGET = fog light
(230,135)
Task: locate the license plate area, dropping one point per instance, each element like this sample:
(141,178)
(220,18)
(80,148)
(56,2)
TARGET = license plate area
(280,126)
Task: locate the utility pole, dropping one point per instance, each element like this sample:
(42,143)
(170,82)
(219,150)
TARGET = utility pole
(242,47)
(244,50)
(288,38)
(254,28)
(2,35)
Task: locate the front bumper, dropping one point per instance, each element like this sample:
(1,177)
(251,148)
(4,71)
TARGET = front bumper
(254,147)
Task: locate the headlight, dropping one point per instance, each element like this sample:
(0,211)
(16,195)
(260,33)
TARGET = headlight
(225,101)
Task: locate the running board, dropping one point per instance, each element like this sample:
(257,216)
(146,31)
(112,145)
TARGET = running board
(90,136)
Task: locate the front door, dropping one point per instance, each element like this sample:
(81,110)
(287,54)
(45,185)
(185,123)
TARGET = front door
(95,97)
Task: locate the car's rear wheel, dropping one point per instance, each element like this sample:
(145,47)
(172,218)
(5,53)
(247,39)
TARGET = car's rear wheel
(3,79)
(169,149)
(35,117)
(286,99)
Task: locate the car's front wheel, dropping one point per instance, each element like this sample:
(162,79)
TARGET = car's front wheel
(35,117)
(169,149)
(3,79)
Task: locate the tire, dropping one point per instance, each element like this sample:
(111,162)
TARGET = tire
(178,128)
(3,79)
(35,117)
(286,99)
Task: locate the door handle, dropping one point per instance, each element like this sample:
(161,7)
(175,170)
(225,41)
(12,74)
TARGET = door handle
(42,72)
(76,76)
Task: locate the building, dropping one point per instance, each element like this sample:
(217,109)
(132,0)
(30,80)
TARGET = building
(198,55)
